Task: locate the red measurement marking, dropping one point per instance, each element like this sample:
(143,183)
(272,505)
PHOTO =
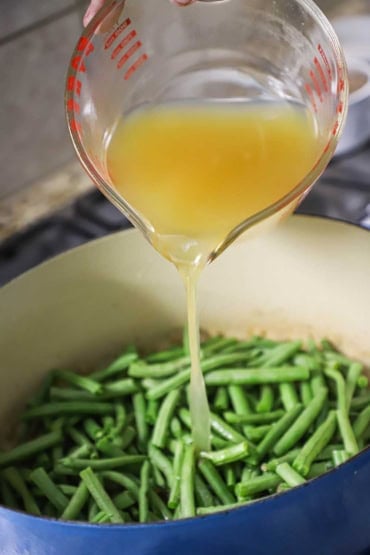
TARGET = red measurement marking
(320,71)
(75,125)
(323,55)
(74,85)
(340,107)
(78,64)
(110,40)
(84,45)
(310,94)
(335,128)
(139,62)
(128,54)
(73,106)
(123,44)
(316,85)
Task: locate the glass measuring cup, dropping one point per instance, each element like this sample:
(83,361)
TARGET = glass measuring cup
(138,53)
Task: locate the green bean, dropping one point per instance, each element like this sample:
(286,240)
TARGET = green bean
(319,468)
(305,393)
(166,411)
(122,480)
(301,424)
(346,431)
(101,518)
(121,417)
(105,446)
(228,455)
(267,481)
(162,370)
(202,494)
(230,476)
(116,367)
(76,503)
(270,466)
(289,475)
(256,376)
(187,502)
(288,395)
(143,491)
(315,444)
(72,407)
(262,418)
(152,408)
(121,388)
(101,497)
(49,489)
(159,460)
(158,477)
(309,361)
(225,430)
(317,383)
(266,401)
(280,354)
(215,481)
(159,506)
(30,448)
(337,377)
(83,451)
(221,400)
(174,496)
(138,401)
(217,344)
(257,433)
(78,437)
(124,500)
(339,457)
(360,402)
(16,481)
(166,356)
(353,374)
(278,429)
(67,489)
(361,423)
(102,464)
(239,402)
(175,427)
(127,437)
(82,382)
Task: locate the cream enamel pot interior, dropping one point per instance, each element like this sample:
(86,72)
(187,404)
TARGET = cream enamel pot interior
(309,277)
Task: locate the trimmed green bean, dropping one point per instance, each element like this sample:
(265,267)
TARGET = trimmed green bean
(277,430)
(228,455)
(102,464)
(302,424)
(152,409)
(202,494)
(361,423)
(221,400)
(354,372)
(266,400)
(101,497)
(215,481)
(305,393)
(116,367)
(339,457)
(76,503)
(187,502)
(267,481)
(203,511)
(289,475)
(174,496)
(49,489)
(288,395)
(122,480)
(72,407)
(225,430)
(30,448)
(262,418)
(82,382)
(159,506)
(257,376)
(16,481)
(346,431)
(139,405)
(143,491)
(315,444)
(165,414)
(159,460)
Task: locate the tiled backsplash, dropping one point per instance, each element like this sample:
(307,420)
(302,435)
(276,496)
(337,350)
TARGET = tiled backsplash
(36,41)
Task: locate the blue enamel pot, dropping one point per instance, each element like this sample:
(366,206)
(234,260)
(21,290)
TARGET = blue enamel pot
(309,278)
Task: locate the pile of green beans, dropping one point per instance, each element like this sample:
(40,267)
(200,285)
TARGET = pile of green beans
(115,446)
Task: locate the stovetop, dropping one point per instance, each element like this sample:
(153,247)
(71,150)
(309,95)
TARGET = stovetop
(342,193)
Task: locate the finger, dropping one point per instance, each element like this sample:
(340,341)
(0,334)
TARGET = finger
(92,10)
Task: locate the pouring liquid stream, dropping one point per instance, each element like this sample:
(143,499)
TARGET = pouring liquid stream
(194,172)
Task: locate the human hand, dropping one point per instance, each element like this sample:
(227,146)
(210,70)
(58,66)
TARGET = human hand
(95,6)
